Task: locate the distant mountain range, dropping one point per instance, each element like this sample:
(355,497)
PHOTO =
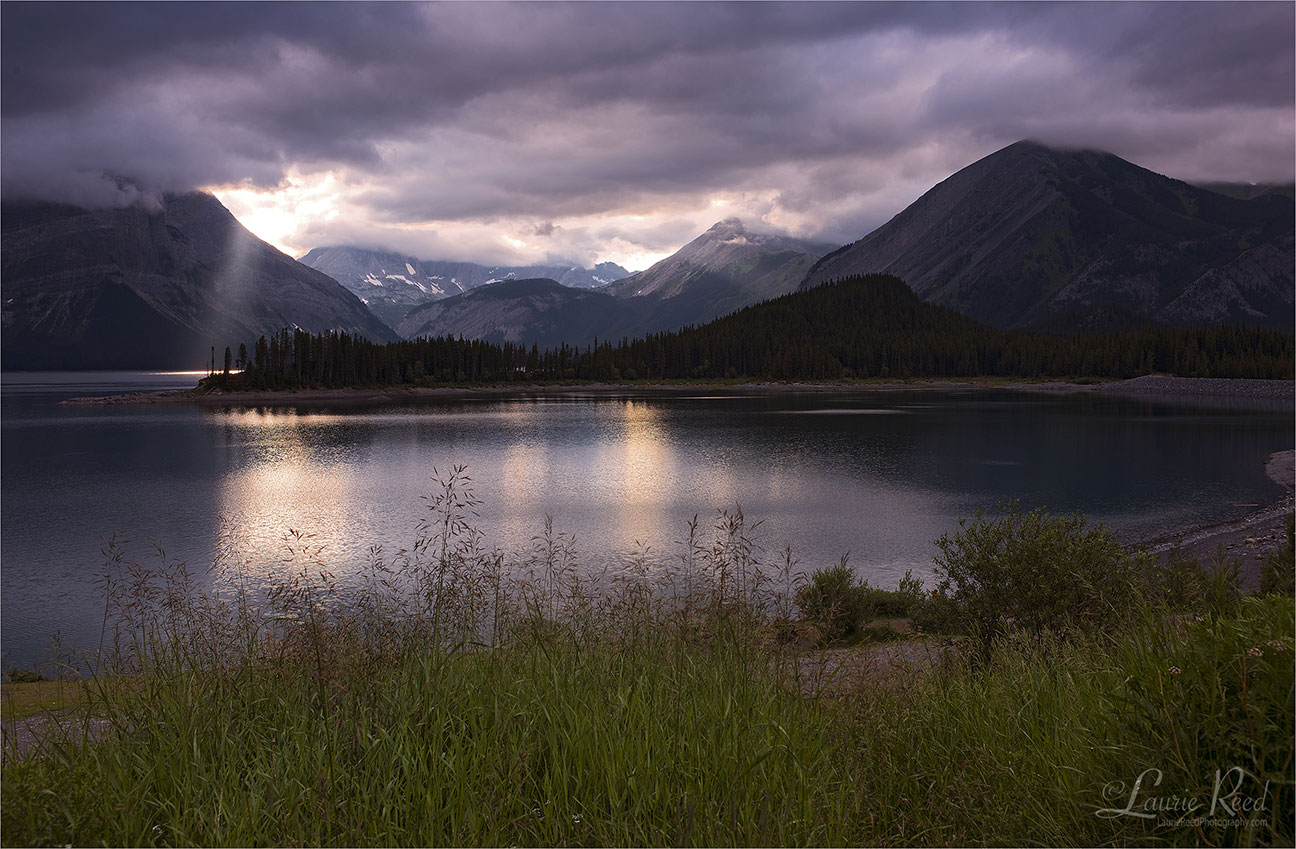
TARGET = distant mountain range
(392,284)
(726,268)
(1035,237)
(152,288)
(1028,237)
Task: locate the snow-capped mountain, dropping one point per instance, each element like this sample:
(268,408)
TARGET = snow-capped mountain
(725,269)
(391,284)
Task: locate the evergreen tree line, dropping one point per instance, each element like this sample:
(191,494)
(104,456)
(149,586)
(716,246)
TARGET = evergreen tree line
(868,326)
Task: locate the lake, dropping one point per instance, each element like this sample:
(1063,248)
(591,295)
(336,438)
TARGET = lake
(878,475)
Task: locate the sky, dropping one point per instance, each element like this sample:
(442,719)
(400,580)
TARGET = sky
(587,132)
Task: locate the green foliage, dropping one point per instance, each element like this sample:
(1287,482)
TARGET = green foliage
(447,704)
(1184,584)
(1211,700)
(547,743)
(902,602)
(1029,746)
(841,605)
(835,601)
(23,676)
(1045,575)
(1278,574)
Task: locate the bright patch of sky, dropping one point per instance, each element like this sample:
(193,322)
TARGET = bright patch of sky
(559,133)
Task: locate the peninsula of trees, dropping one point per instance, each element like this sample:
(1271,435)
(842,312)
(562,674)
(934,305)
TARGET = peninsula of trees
(858,327)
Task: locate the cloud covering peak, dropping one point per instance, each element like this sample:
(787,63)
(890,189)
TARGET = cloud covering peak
(588,131)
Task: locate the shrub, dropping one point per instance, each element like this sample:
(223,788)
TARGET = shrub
(24,676)
(882,632)
(1183,583)
(1278,574)
(835,601)
(840,605)
(899,603)
(937,614)
(1043,574)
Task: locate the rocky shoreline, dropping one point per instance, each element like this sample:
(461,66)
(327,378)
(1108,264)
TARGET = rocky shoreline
(1250,538)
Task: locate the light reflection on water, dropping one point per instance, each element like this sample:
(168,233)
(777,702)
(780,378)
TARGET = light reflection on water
(880,476)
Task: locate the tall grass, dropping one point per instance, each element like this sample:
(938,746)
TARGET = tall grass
(460,697)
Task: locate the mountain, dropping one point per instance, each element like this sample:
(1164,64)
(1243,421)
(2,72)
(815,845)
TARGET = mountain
(152,288)
(531,312)
(1031,237)
(388,283)
(724,269)
(391,284)
(1250,191)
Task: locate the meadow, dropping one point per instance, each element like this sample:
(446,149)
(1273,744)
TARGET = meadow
(1070,692)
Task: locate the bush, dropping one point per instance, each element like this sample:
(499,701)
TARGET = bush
(841,605)
(899,603)
(1046,575)
(1278,575)
(24,676)
(835,601)
(1182,583)
(937,614)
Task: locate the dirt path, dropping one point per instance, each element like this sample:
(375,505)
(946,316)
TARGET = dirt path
(837,672)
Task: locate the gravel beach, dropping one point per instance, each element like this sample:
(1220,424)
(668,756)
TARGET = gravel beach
(1251,538)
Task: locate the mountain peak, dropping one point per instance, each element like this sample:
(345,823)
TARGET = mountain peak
(134,287)
(1032,232)
(728,264)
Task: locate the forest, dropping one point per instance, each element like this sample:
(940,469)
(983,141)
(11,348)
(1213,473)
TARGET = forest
(870,326)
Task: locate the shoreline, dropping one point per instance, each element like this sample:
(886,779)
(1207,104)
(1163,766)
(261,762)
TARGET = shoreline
(1249,538)
(1235,393)
(289,397)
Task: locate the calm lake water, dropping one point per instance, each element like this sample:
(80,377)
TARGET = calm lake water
(879,475)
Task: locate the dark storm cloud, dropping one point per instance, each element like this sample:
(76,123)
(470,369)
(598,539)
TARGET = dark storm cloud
(490,111)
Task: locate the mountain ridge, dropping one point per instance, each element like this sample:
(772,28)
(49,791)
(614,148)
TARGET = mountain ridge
(537,311)
(135,287)
(1029,232)
(391,284)
(726,245)
(724,269)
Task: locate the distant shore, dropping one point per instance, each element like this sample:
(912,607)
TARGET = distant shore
(1234,393)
